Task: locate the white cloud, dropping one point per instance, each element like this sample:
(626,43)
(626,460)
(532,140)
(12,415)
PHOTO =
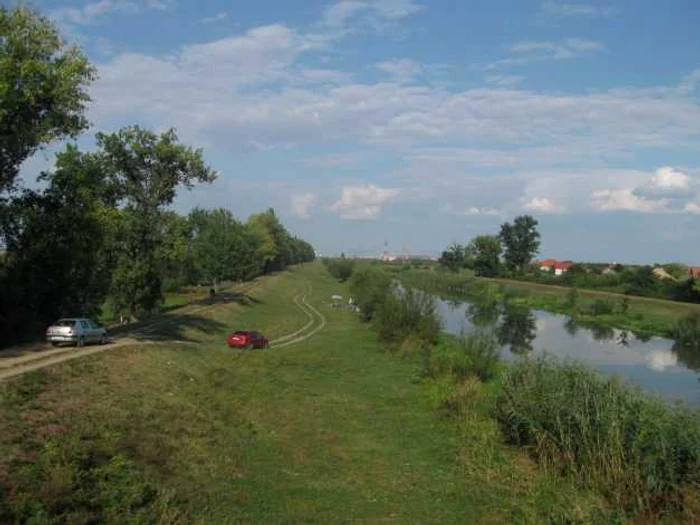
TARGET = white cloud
(218,17)
(623,199)
(541,204)
(480,211)
(92,11)
(666,182)
(569,10)
(331,161)
(537,51)
(362,202)
(692,207)
(340,13)
(302,203)
(402,70)
(505,81)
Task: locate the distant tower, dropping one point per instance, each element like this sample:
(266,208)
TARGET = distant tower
(386,254)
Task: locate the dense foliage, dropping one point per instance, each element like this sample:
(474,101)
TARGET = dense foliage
(101,233)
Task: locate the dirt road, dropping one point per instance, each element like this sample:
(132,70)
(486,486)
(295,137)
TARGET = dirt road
(33,357)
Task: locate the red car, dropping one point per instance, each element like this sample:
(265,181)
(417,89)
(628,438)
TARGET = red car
(247,339)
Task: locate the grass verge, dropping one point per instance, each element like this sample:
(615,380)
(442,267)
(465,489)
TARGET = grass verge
(330,430)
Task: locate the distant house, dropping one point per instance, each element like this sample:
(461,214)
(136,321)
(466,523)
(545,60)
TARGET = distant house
(552,265)
(694,272)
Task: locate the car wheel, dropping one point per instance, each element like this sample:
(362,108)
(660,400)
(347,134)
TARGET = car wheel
(103,339)
(80,341)
(55,343)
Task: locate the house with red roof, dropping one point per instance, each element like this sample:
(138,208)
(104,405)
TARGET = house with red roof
(694,272)
(557,267)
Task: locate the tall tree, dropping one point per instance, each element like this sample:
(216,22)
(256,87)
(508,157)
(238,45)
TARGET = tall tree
(145,170)
(453,257)
(487,255)
(223,247)
(43,85)
(521,242)
(56,263)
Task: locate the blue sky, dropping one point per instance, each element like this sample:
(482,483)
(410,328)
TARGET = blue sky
(419,122)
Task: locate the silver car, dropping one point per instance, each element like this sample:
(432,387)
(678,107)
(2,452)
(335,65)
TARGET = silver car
(77,331)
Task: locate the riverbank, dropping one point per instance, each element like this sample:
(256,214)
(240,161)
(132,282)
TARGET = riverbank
(643,316)
(331,429)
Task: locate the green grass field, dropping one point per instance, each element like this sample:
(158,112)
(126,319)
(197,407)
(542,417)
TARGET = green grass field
(331,430)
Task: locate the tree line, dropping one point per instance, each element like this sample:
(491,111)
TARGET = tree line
(510,251)
(101,232)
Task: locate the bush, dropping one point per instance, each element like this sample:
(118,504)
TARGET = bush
(341,269)
(369,287)
(644,453)
(406,313)
(476,354)
(688,333)
(602,307)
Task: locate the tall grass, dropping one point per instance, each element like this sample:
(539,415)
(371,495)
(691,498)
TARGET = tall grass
(407,313)
(369,287)
(642,452)
(474,354)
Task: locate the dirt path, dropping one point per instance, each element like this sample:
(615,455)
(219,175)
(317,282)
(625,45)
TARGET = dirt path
(315,318)
(38,355)
(42,355)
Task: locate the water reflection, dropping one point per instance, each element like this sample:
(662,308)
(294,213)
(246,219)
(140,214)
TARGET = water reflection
(654,363)
(517,330)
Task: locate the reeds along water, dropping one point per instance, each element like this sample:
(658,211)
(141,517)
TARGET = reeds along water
(638,449)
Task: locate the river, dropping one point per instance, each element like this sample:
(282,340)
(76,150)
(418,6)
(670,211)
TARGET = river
(655,364)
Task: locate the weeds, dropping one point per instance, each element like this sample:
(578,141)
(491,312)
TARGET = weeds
(406,313)
(641,452)
(475,354)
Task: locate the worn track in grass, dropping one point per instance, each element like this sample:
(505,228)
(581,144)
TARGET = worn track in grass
(14,366)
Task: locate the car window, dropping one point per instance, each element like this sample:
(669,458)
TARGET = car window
(93,324)
(254,334)
(64,322)
(85,324)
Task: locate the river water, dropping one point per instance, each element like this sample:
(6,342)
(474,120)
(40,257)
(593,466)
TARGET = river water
(655,364)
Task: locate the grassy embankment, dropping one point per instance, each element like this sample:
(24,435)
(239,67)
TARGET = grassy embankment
(330,430)
(641,315)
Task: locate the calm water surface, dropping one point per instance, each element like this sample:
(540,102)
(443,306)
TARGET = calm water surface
(655,364)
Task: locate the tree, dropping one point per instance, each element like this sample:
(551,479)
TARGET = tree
(223,247)
(145,170)
(453,258)
(487,255)
(57,264)
(521,241)
(43,85)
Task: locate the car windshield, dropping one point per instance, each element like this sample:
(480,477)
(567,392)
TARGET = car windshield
(240,332)
(64,322)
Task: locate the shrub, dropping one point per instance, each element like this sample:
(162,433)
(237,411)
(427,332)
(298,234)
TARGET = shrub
(341,268)
(573,300)
(688,333)
(602,307)
(369,287)
(644,453)
(476,354)
(405,313)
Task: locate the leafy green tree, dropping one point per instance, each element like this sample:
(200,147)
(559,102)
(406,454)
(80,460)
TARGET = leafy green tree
(274,242)
(223,247)
(145,170)
(56,263)
(43,85)
(521,242)
(487,255)
(452,258)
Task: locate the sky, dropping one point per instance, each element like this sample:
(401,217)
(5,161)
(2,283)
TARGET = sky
(418,122)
